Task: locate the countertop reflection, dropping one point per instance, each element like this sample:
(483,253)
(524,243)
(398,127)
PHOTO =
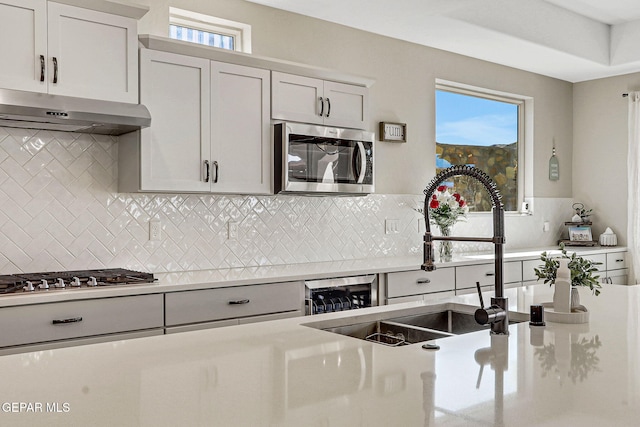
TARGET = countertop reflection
(283,373)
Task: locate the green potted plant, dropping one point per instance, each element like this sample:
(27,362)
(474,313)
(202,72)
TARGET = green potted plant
(583,272)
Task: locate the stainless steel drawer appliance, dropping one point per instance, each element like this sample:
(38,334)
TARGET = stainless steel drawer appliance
(340,293)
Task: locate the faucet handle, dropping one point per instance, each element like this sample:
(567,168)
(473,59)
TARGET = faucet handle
(480,295)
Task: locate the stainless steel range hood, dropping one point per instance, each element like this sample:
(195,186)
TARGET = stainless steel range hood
(64,113)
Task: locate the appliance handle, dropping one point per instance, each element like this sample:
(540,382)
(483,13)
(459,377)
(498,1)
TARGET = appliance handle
(363,162)
(340,281)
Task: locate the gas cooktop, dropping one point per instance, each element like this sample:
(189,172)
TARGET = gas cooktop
(33,282)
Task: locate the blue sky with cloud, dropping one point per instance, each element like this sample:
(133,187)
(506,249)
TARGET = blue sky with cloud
(468,120)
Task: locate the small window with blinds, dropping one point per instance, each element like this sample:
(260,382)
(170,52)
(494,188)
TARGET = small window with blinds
(209,30)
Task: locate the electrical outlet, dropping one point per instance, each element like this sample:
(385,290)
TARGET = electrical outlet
(155,230)
(232,230)
(391,226)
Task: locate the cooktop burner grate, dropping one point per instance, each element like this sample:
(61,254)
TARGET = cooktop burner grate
(71,279)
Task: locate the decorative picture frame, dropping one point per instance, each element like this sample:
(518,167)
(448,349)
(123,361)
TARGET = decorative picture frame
(580,233)
(393,132)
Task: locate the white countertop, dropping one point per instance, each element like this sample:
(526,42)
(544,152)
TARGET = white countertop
(282,373)
(206,279)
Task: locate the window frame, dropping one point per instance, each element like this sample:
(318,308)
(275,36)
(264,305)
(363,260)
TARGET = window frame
(240,32)
(525,135)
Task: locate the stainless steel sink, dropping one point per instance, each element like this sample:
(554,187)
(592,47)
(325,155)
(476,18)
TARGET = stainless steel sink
(411,325)
(453,322)
(387,332)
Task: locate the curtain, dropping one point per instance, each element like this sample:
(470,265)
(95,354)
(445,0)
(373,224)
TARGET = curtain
(633,192)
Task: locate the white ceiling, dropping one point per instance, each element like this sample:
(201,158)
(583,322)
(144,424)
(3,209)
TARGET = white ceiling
(573,40)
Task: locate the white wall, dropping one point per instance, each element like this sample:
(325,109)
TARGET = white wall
(600,150)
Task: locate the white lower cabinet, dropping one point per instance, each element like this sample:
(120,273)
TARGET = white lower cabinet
(209,308)
(617,269)
(71,320)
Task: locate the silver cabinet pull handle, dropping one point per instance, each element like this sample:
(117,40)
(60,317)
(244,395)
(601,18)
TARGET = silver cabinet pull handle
(217,171)
(328,107)
(206,171)
(423,281)
(42,65)
(65,321)
(55,70)
(239,302)
(321,106)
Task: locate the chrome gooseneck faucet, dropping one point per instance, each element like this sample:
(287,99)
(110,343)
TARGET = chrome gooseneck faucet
(497,314)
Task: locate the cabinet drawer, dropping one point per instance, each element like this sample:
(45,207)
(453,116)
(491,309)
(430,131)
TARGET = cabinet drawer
(527,270)
(601,258)
(416,282)
(468,275)
(234,302)
(616,260)
(74,319)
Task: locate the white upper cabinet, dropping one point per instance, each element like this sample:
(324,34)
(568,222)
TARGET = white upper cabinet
(23,44)
(173,151)
(66,50)
(241,151)
(210,129)
(310,100)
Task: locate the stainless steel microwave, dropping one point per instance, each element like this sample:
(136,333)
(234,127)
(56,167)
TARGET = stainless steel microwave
(321,159)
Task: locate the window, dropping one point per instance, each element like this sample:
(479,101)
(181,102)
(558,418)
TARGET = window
(209,30)
(485,131)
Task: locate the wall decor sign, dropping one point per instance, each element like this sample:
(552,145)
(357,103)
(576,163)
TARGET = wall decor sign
(554,166)
(393,132)
(580,233)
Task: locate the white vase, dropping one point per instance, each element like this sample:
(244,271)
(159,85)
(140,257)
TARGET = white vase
(575,298)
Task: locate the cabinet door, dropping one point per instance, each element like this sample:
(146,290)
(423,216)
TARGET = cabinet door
(296,98)
(22,41)
(346,105)
(95,52)
(173,151)
(240,132)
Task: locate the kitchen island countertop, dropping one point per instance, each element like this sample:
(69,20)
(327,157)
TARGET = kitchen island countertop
(283,373)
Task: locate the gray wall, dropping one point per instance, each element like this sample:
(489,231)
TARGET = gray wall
(405,76)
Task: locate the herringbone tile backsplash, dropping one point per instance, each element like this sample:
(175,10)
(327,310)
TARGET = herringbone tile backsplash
(60,210)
